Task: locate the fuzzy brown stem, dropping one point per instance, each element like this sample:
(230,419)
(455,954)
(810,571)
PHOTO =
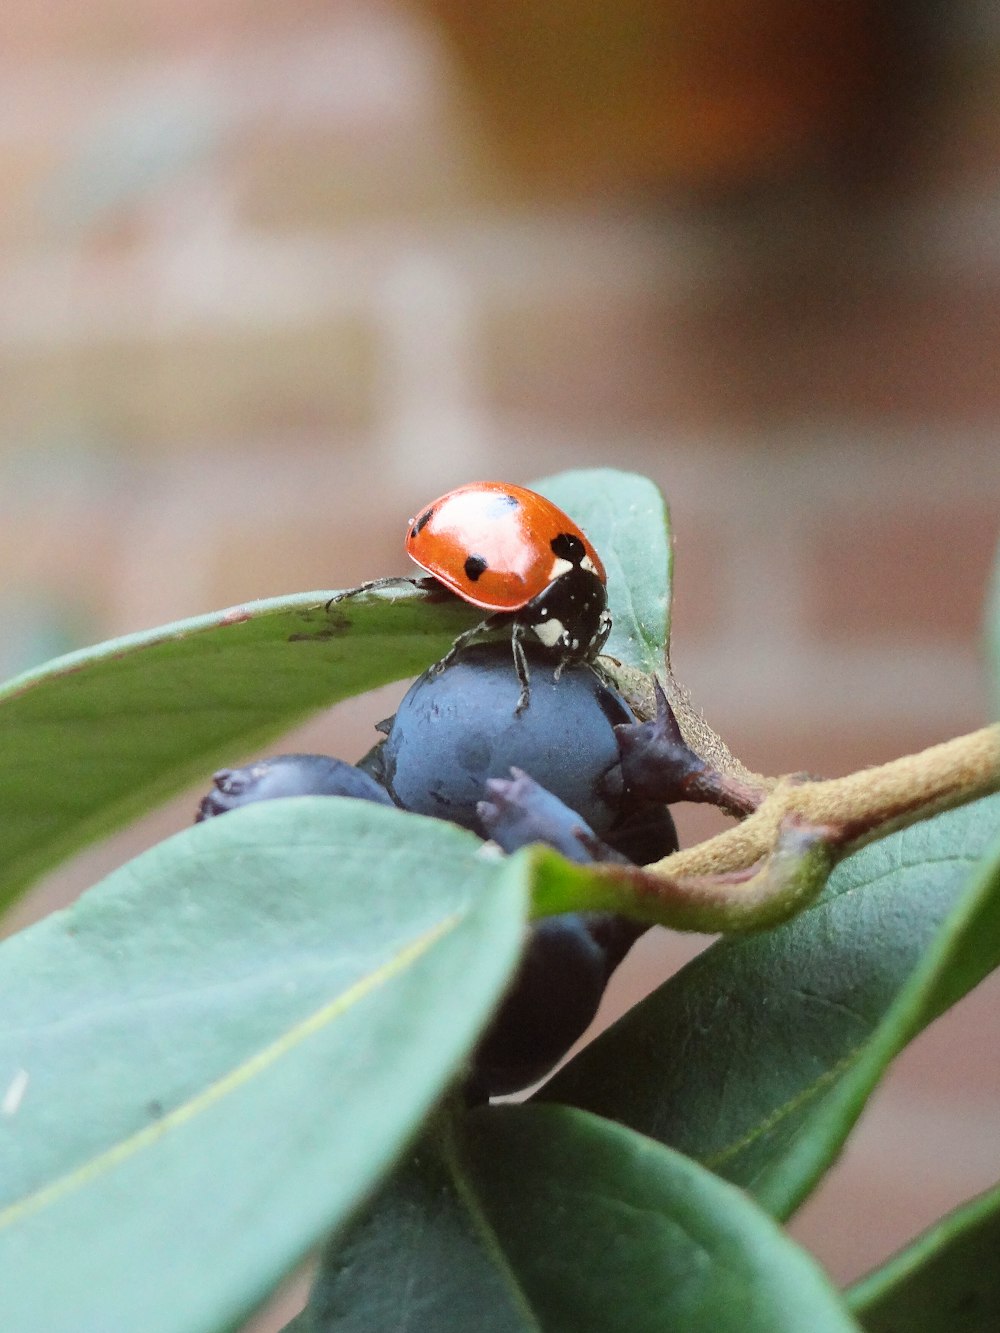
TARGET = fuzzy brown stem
(860,807)
(637,687)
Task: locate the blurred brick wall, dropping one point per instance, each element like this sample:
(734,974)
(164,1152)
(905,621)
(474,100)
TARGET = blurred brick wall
(265,286)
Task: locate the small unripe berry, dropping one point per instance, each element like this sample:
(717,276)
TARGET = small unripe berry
(288,775)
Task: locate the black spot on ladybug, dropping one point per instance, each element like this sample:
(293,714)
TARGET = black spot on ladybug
(474,566)
(568,547)
(422,522)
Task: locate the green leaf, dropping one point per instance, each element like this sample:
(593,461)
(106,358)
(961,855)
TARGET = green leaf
(757,1058)
(625,517)
(946,1281)
(548,1218)
(93,739)
(420,1257)
(210,1059)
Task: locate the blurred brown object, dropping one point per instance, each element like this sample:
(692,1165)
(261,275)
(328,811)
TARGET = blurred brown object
(611,94)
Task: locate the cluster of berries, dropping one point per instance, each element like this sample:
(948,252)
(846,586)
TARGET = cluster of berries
(520,741)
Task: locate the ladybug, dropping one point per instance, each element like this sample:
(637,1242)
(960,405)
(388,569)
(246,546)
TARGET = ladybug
(517,556)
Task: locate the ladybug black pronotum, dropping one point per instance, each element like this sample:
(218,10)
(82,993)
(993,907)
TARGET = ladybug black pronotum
(517,556)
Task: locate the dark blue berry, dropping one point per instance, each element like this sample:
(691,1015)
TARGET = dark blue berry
(457,728)
(552,1000)
(457,749)
(288,775)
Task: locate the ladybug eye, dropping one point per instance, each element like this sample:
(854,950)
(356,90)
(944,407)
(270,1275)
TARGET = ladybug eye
(474,566)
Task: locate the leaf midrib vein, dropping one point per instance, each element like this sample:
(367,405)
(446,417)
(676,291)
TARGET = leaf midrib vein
(229,1083)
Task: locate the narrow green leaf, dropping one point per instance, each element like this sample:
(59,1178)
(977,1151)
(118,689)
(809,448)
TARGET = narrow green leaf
(422,1256)
(95,738)
(546,1218)
(211,1058)
(757,1058)
(625,517)
(946,1281)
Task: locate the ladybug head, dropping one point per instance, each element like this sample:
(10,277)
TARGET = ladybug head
(571,615)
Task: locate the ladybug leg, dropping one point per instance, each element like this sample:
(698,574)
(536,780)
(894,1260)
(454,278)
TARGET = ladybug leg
(521,667)
(468,636)
(489,626)
(379,585)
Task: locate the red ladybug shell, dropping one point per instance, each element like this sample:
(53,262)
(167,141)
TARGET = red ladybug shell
(491,543)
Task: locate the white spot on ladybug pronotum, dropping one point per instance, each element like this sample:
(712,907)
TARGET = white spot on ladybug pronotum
(559,568)
(549,632)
